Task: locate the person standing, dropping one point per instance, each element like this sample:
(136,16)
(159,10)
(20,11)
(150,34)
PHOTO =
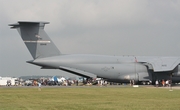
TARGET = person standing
(76,82)
(163,82)
(167,83)
(101,82)
(170,84)
(157,83)
(39,86)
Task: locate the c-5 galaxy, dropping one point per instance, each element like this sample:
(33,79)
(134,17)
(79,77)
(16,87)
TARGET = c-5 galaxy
(112,68)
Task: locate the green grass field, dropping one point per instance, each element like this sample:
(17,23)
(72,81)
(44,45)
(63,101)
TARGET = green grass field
(89,98)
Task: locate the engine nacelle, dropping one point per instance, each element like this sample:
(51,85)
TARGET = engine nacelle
(137,72)
(176,71)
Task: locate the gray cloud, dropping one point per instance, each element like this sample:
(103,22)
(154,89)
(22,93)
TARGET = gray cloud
(111,27)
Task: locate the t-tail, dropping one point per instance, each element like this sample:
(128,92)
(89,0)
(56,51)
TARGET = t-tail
(36,39)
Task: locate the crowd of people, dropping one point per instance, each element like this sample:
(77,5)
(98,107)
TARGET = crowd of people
(163,83)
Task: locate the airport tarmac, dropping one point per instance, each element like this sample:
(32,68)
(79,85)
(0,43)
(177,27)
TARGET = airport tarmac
(93,86)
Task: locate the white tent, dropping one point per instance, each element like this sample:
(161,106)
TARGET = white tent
(3,80)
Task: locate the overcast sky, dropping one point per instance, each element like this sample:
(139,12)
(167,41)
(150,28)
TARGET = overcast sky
(110,27)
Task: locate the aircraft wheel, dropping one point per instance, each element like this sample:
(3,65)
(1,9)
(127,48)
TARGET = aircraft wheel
(144,83)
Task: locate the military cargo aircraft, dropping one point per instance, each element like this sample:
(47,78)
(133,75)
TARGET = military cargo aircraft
(112,68)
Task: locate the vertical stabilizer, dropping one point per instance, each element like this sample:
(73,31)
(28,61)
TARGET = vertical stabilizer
(36,39)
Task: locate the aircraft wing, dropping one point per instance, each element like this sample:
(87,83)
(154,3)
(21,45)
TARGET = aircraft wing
(77,72)
(160,64)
